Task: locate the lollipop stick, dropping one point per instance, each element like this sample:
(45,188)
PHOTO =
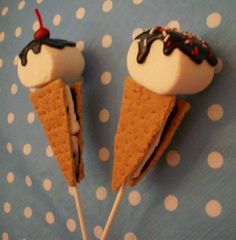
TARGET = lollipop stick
(113,211)
(80,213)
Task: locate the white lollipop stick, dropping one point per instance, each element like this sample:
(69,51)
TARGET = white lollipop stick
(113,212)
(80,213)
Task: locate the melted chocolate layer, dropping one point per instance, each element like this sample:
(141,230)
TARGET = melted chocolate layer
(193,46)
(35,46)
(77,161)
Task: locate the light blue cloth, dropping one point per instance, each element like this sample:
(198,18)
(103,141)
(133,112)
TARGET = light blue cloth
(188,189)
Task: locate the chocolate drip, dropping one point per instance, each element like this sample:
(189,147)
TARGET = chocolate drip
(35,46)
(77,161)
(193,46)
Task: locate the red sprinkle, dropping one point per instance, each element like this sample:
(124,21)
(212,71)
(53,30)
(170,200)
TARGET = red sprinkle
(159,29)
(211,53)
(168,43)
(195,51)
(190,41)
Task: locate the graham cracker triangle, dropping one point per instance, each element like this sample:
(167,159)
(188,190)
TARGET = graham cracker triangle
(50,105)
(142,116)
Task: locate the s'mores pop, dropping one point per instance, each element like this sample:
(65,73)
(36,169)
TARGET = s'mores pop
(51,67)
(162,63)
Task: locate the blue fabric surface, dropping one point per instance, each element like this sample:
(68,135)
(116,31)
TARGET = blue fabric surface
(193,200)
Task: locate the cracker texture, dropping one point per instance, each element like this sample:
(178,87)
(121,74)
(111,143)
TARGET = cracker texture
(142,115)
(50,104)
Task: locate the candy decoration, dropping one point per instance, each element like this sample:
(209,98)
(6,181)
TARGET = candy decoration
(189,44)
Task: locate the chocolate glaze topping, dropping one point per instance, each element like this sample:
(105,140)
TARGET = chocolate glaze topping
(35,46)
(193,46)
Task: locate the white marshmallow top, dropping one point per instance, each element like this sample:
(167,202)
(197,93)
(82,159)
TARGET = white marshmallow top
(168,74)
(51,64)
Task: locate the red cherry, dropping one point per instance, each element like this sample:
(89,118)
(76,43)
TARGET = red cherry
(42,32)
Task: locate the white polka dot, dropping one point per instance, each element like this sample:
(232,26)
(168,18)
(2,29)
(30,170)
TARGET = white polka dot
(107,6)
(171,203)
(106,41)
(215,160)
(213,20)
(21,5)
(130,236)
(80,45)
(219,66)
(14,89)
(104,154)
(9,147)
(56,20)
(2,36)
(104,115)
(71,225)
(173,158)
(80,13)
(213,208)
(136,32)
(10,118)
(137,2)
(173,24)
(106,78)
(35,25)
(28,181)
(10,177)
(5,11)
(7,207)
(1,62)
(28,212)
(215,112)
(49,217)
(134,198)
(71,191)
(30,117)
(47,184)
(49,151)
(27,149)
(39,1)
(97,231)
(15,61)
(5,236)
(101,193)
(18,32)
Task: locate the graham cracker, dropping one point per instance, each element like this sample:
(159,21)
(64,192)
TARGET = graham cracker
(182,108)
(142,116)
(76,90)
(50,105)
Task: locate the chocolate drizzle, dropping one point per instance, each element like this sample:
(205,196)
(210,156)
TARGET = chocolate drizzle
(193,46)
(35,46)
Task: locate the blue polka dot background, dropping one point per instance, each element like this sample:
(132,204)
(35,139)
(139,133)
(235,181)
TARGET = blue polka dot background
(191,192)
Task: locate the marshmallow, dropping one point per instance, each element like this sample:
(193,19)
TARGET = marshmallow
(74,124)
(170,74)
(51,64)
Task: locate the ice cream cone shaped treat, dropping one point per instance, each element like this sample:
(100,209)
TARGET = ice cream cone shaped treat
(162,63)
(51,67)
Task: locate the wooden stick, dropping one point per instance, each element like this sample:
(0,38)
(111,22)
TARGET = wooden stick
(80,213)
(113,212)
